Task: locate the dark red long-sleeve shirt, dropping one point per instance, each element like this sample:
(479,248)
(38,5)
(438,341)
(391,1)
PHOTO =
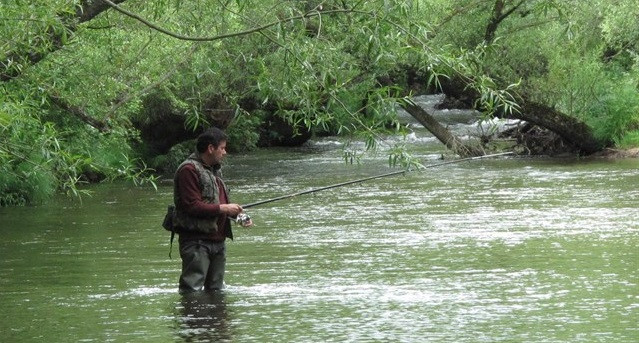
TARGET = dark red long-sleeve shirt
(190,201)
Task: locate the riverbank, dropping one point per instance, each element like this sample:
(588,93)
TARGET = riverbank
(618,153)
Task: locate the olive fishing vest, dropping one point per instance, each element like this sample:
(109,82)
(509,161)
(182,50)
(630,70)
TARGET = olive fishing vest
(210,194)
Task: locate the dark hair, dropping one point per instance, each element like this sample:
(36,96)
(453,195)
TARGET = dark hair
(212,136)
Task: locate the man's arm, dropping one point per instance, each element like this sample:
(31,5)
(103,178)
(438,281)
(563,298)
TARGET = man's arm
(190,196)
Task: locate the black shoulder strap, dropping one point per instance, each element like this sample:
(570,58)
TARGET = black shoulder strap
(171,244)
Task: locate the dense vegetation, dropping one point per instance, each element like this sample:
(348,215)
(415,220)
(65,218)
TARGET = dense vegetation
(97,89)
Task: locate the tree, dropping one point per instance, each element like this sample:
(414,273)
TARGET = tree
(99,82)
(560,75)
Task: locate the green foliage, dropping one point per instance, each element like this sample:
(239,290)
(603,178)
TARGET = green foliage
(28,153)
(321,72)
(616,115)
(576,57)
(582,86)
(37,158)
(628,140)
(244,131)
(167,164)
(619,25)
(399,157)
(31,28)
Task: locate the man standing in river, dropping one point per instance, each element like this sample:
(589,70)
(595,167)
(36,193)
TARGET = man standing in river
(202,214)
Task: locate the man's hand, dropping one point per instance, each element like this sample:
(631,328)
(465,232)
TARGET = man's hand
(231,210)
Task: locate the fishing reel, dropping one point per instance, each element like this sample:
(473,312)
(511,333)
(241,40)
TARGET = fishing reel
(243,219)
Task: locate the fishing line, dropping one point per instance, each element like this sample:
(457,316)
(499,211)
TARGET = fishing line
(341,184)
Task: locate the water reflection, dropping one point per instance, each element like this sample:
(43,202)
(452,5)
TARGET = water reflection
(203,317)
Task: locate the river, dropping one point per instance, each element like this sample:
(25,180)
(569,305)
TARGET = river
(510,249)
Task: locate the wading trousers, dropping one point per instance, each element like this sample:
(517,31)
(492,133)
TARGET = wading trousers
(203,264)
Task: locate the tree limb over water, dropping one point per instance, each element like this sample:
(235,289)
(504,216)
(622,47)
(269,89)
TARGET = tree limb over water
(572,130)
(440,132)
(79,112)
(66,81)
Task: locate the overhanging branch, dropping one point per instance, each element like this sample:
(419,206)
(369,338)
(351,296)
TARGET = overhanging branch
(228,35)
(13,62)
(78,112)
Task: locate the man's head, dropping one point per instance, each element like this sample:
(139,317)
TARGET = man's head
(211,145)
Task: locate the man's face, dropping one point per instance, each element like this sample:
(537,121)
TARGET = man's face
(218,153)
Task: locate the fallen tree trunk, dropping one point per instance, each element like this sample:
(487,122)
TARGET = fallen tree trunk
(573,131)
(451,141)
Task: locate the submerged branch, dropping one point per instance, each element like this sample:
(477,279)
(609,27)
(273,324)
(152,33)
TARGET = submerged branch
(440,132)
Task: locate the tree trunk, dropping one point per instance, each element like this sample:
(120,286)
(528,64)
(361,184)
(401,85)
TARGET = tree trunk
(572,130)
(12,65)
(498,15)
(440,132)
(495,19)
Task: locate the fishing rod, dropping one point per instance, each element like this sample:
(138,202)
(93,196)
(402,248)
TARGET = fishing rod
(287,196)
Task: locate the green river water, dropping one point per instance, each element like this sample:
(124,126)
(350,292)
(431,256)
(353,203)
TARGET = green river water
(500,250)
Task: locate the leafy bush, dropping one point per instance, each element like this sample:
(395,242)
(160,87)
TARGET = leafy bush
(616,116)
(628,140)
(41,153)
(167,164)
(243,132)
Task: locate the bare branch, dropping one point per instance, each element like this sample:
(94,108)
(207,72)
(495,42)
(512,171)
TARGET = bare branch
(228,35)
(497,17)
(79,113)
(510,11)
(444,135)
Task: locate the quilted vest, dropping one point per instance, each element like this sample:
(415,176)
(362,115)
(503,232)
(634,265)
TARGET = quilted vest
(210,194)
